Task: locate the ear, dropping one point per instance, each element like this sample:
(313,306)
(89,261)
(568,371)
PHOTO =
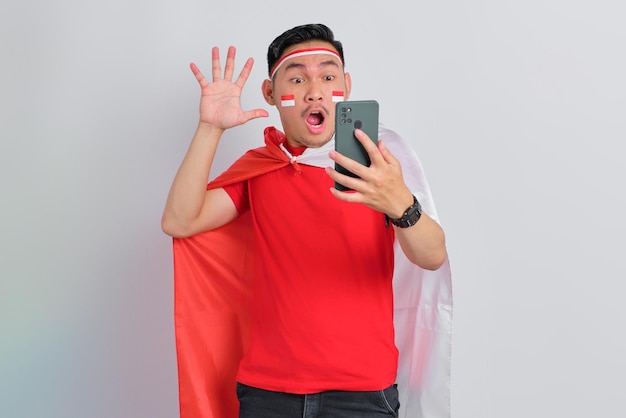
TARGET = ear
(268,92)
(348,85)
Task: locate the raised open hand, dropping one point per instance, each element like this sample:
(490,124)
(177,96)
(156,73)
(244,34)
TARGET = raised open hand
(220,101)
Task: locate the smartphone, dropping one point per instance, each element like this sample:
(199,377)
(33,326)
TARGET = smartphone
(351,115)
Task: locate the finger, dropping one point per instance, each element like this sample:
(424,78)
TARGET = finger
(198,74)
(353,197)
(349,164)
(245,73)
(369,145)
(215,64)
(350,182)
(386,154)
(346,162)
(229,69)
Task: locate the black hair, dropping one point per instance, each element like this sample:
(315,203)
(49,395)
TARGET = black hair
(299,34)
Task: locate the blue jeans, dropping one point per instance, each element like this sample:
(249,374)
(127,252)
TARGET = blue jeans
(259,403)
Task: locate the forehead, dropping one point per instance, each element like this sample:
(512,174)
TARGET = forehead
(305,54)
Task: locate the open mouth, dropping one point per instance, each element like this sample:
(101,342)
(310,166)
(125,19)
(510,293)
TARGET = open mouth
(315,119)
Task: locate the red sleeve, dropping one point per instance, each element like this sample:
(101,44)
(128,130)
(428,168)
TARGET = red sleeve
(238,192)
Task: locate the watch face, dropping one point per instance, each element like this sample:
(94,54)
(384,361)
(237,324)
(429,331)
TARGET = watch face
(410,217)
(414,215)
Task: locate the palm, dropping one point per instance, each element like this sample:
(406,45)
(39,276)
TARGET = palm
(220,104)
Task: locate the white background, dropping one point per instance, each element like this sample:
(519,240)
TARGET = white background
(516,109)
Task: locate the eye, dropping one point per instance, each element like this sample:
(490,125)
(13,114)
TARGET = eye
(329,78)
(297,80)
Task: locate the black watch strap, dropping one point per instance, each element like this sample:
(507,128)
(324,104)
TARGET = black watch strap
(410,216)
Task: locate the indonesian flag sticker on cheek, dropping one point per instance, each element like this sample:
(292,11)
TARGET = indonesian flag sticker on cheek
(288,100)
(337,96)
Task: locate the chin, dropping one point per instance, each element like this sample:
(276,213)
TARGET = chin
(318,141)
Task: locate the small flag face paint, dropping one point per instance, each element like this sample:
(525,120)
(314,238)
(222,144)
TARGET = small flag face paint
(337,96)
(288,100)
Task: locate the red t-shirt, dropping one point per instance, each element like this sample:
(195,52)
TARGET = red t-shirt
(322,310)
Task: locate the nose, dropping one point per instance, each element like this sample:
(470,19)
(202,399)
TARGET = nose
(313,97)
(314,94)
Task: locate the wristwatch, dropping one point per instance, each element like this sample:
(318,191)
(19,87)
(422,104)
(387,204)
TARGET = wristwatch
(410,216)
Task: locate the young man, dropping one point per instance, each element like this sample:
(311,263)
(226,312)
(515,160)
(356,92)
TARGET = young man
(319,334)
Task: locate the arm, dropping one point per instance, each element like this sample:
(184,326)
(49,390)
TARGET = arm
(190,208)
(382,188)
(423,243)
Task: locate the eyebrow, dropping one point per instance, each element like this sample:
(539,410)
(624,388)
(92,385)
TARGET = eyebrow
(327,63)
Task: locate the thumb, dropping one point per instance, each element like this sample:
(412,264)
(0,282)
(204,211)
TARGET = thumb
(255,113)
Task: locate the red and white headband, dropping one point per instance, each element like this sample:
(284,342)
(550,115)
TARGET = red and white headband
(301,53)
